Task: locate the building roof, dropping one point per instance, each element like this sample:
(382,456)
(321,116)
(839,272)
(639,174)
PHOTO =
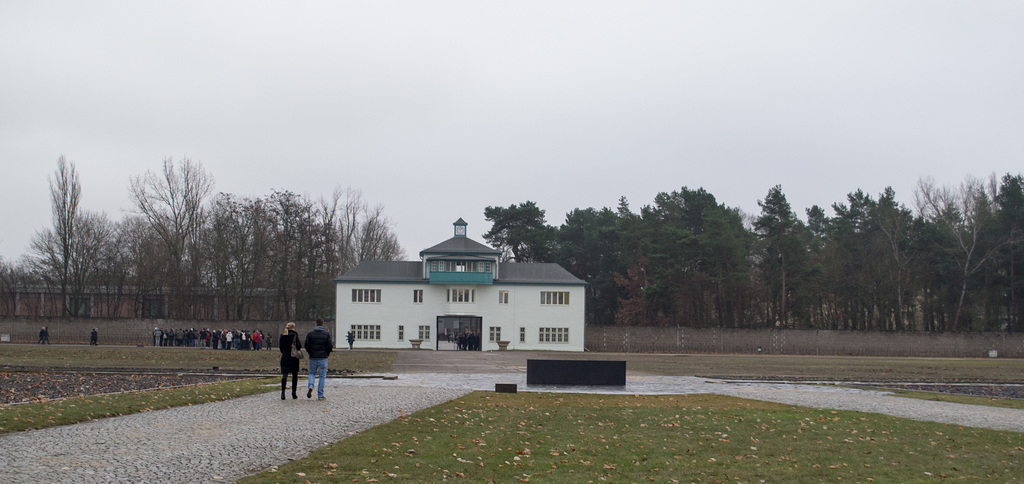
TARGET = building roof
(384,271)
(412,272)
(460,245)
(536,273)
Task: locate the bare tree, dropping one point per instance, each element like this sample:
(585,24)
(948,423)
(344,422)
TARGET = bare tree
(896,224)
(364,233)
(963,214)
(67,254)
(53,246)
(377,241)
(172,203)
(238,246)
(312,242)
(9,286)
(145,268)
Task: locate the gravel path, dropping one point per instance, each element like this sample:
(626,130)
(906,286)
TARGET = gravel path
(214,442)
(881,402)
(223,441)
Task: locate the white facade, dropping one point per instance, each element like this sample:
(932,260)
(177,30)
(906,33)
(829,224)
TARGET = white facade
(531,306)
(519,321)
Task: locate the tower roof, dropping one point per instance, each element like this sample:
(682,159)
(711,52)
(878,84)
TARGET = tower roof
(460,245)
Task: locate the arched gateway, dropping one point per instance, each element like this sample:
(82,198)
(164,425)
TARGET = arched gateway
(459,295)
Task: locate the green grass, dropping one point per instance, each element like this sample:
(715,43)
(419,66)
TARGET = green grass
(529,437)
(164,358)
(31,416)
(758,367)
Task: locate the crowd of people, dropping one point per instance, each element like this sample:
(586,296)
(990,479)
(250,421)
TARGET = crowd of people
(465,341)
(218,339)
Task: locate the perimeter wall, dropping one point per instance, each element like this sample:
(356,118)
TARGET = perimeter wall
(127,331)
(598,338)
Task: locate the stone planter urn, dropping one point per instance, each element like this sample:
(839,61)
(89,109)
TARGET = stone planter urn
(416,343)
(503,345)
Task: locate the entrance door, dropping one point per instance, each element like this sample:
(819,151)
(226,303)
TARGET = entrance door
(463,333)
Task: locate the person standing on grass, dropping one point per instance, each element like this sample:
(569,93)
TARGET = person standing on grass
(351,338)
(157,336)
(319,346)
(94,337)
(289,365)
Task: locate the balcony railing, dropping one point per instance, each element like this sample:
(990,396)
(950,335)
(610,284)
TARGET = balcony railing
(461,278)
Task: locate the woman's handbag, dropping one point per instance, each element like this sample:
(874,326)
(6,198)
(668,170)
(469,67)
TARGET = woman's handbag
(296,352)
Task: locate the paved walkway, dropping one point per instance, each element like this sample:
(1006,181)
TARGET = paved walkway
(223,441)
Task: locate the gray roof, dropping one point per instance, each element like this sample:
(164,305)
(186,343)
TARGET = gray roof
(536,273)
(384,271)
(460,245)
(511,273)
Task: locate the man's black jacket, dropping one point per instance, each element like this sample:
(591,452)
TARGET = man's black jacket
(319,343)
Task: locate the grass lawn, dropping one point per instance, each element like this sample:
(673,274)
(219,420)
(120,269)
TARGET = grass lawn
(57,357)
(530,437)
(30,416)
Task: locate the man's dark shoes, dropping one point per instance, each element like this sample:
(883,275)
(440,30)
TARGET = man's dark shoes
(282,395)
(321,398)
(294,396)
(309,393)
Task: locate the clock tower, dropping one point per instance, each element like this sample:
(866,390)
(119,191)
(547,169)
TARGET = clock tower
(460,227)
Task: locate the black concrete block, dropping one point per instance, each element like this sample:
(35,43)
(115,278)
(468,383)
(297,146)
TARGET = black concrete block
(575,372)
(506,388)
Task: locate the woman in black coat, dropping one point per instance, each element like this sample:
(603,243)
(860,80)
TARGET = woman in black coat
(289,364)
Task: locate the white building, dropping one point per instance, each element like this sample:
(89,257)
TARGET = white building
(460,287)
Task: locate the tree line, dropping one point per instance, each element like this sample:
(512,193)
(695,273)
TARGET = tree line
(953,262)
(205,255)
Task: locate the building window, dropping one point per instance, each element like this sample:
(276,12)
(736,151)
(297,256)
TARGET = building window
(462,295)
(366,295)
(365,332)
(554,298)
(417,295)
(502,297)
(401,333)
(424,332)
(522,335)
(459,266)
(554,335)
(494,333)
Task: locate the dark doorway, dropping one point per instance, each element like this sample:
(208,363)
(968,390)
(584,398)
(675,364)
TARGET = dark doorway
(459,333)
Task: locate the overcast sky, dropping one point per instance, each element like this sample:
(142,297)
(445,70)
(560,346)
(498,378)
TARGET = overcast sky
(439,109)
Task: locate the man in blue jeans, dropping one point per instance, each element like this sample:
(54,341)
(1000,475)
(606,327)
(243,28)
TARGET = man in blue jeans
(319,345)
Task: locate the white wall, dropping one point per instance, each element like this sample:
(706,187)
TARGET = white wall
(523,310)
